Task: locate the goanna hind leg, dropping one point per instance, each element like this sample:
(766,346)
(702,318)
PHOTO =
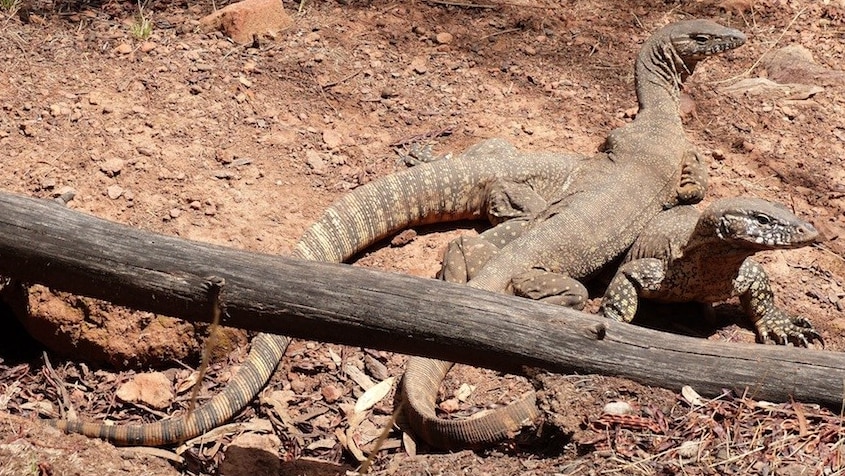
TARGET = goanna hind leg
(466,255)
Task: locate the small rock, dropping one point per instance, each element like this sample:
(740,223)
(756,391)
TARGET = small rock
(65,194)
(146,151)
(718,154)
(59,109)
(48,184)
(315,161)
(114,191)
(403,238)
(331,393)
(147,46)
(123,48)
(174,213)
(529,50)
(224,156)
(450,405)
(195,205)
(332,139)
(243,21)
(788,112)
(444,38)
(688,450)
(112,167)
(28,128)
(152,389)
(618,408)
(418,64)
(252,454)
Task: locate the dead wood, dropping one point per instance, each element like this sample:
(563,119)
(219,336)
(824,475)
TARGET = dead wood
(44,242)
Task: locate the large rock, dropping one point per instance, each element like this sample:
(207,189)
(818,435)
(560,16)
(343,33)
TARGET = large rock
(244,21)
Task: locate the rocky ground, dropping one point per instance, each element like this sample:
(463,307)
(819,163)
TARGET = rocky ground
(134,114)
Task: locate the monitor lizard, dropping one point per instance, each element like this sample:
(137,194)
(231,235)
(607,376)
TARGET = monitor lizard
(490,180)
(687,256)
(593,220)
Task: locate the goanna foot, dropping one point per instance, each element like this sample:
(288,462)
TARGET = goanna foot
(552,288)
(783,329)
(419,154)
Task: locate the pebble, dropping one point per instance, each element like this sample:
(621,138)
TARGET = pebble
(418,65)
(112,167)
(174,213)
(48,184)
(332,139)
(123,48)
(450,405)
(618,408)
(331,393)
(444,38)
(315,161)
(147,46)
(65,194)
(114,191)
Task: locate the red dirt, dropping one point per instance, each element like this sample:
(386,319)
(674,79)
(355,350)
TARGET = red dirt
(244,147)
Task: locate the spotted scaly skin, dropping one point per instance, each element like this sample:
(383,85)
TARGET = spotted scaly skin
(491,180)
(684,256)
(644,169)
(486,181)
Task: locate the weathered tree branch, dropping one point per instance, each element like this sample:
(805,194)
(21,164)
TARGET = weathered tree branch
(43,242)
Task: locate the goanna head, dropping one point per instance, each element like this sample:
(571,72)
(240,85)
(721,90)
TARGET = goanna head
(687,42)
(754,223)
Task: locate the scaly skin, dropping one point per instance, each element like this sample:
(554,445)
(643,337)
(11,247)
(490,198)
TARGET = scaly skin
(684,256)
(592,221)
(484,181)
(490,180)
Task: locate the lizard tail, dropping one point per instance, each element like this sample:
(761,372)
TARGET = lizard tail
(420,384)
(266,352)
(436,192)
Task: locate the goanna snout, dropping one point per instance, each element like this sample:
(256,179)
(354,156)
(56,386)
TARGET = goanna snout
(806,233)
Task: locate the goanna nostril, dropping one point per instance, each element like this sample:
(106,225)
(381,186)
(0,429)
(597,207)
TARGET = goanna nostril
(808,230)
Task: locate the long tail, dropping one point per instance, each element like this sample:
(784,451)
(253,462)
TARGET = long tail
(452,189)
(420,384)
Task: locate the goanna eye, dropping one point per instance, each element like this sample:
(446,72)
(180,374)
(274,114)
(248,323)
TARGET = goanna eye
(701,39)
(763,219)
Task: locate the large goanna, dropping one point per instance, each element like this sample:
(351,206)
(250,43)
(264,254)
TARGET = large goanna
(490,180)
(596,217)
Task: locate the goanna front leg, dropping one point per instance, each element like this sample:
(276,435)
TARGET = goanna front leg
(770,322)
(621,299)
(510,207)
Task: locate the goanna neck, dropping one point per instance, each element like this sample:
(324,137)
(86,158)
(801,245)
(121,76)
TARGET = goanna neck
(659,73)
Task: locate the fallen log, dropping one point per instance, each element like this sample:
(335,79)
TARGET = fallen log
(46,243)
